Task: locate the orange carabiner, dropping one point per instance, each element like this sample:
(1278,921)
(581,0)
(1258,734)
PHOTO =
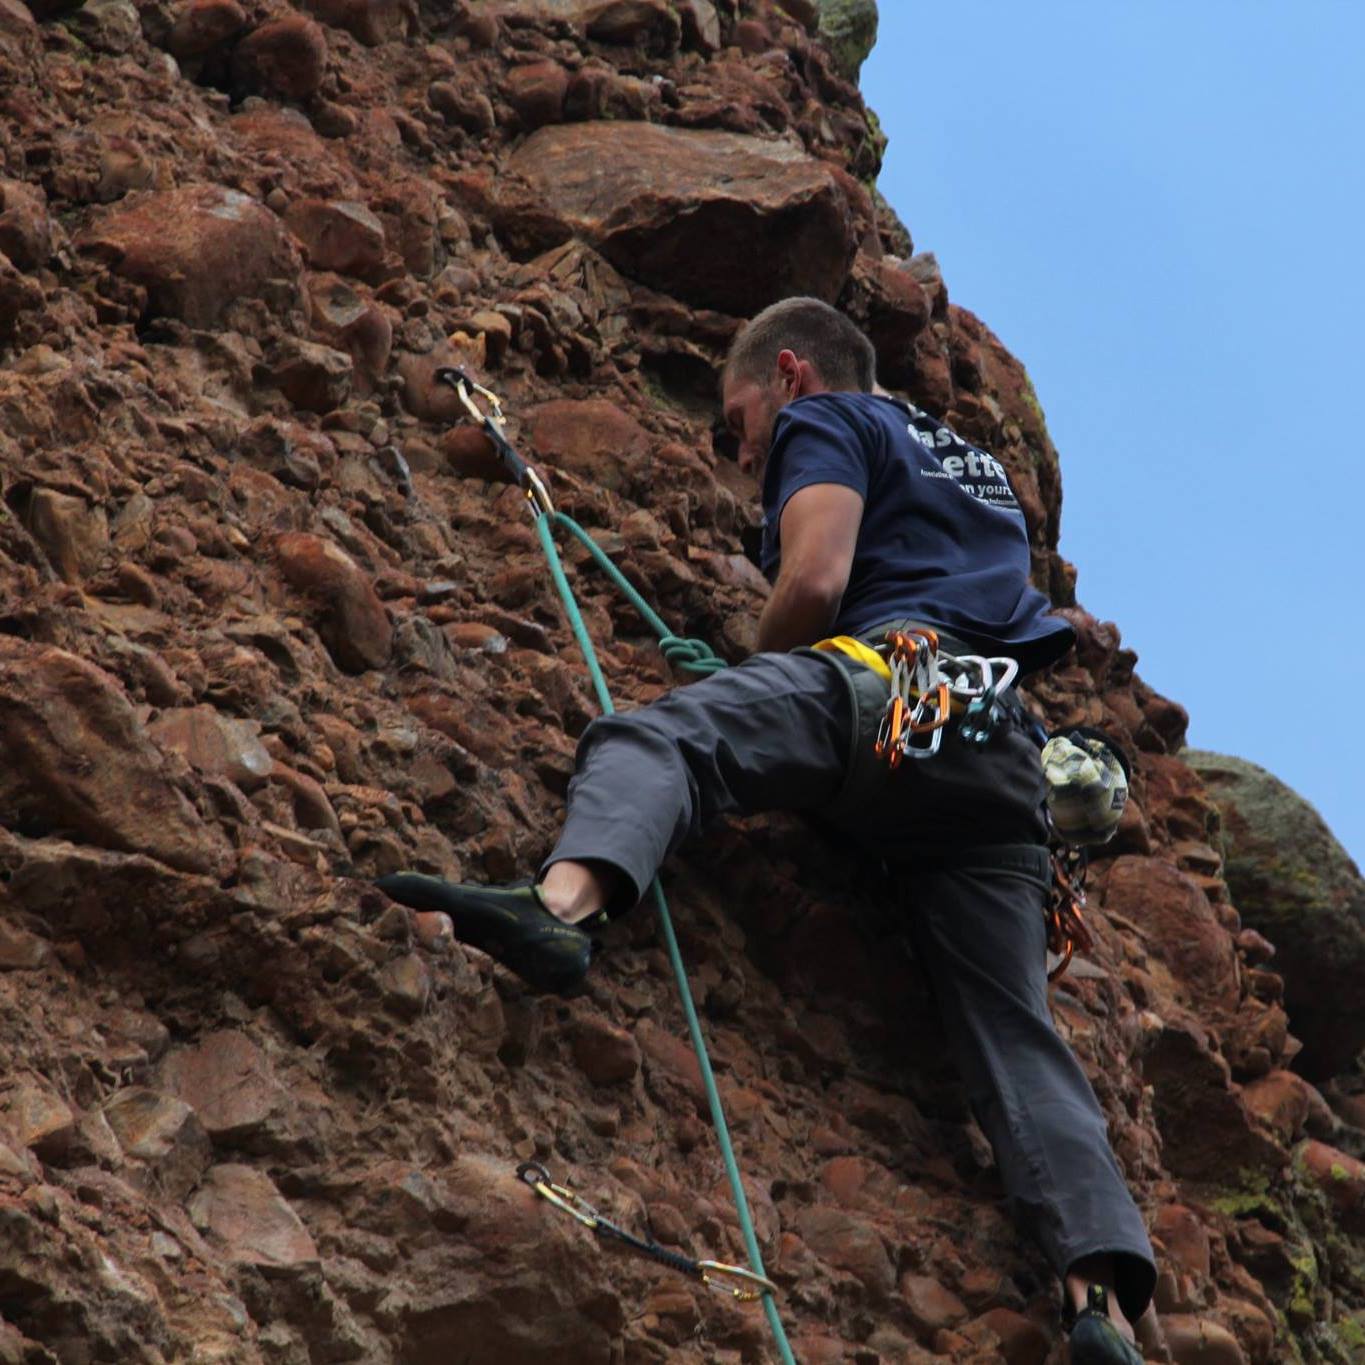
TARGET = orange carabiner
(941,712)
(888,736)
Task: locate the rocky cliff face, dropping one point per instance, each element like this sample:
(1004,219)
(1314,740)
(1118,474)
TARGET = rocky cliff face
(269,627)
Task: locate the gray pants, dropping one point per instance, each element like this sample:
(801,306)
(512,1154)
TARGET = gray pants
(794,732)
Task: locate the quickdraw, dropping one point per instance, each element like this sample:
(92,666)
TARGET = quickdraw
(929,687)
(493,424)
(745,1285)
(1066,928)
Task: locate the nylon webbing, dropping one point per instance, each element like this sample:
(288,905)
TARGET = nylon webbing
(703,661)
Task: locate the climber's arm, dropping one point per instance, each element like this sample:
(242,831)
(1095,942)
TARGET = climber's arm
(819,530)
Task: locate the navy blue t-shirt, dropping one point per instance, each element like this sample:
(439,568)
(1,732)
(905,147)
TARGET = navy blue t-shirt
(942,538)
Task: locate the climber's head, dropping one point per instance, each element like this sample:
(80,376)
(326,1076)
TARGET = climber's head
(790,350)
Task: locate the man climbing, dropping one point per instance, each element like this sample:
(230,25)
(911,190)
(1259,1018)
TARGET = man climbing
(875,516)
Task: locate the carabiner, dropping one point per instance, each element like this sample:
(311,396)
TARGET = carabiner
(466,388)
(711,1271)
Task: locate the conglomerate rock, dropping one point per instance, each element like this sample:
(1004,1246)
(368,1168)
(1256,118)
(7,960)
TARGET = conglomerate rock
(1295,884)
(272,624)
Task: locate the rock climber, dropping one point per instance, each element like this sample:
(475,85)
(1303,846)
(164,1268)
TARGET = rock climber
(875,515)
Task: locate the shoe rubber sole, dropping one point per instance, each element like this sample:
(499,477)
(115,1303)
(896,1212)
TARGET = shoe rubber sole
(509,924)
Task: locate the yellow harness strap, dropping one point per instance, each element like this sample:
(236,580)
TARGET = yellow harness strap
(855,649)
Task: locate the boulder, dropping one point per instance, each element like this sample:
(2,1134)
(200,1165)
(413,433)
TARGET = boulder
(314,378)
(338,235)
(591,437)
(1294,884)
(214,744)
(164,1135)
(283,59)
(74,756)
(16,20)
(536,91)
(25,229)
(848,28)
(360,327)
(195,250)
(655,201)
(370,21)
(354,625)
(240,1207)
(1200,1341)
(1180,926)
(202,25)
(227,1080)
(74,533)
(651,23)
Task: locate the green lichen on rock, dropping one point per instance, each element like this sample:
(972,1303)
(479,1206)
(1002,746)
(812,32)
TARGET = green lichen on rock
(849,29)
(1294,883)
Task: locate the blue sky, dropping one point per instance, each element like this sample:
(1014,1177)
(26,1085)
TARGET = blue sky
(1159,209)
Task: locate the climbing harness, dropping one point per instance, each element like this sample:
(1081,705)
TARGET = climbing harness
(927,687)
(692,655)
(734,1280)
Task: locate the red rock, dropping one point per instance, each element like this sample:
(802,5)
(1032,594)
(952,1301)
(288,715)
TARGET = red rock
(469,453)
(20,950)
(195,250)
(228,1081)
(1022,1341)
(700,25)
(16,19)
(371,21)
(355,627)
(932,1307)
(285,58)
(672,1057)
(1179,925)
(605,1054)
(1185,1238)
(35,1117)
(654,200)
(1340,1177)
(850,1244)
(312,809)
(536,91)
(406,983)
(74,756)
(214,744)
(25,230)
(423,395)
(591,437)
(433,930)
(1200,1341)
(896,309)
(241,1207)
(360,327)
(752,37)
(1252,1327)
(313,378)
(164,1135)
(471,110)
(652,23)
(338,235)
(74,534)
(202,25)
(1281,1100)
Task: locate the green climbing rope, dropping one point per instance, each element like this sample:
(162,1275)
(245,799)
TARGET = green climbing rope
(698,658)
(694,656)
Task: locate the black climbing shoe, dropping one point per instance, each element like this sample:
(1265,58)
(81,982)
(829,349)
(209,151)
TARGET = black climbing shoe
(1094,1338)
(509,923)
